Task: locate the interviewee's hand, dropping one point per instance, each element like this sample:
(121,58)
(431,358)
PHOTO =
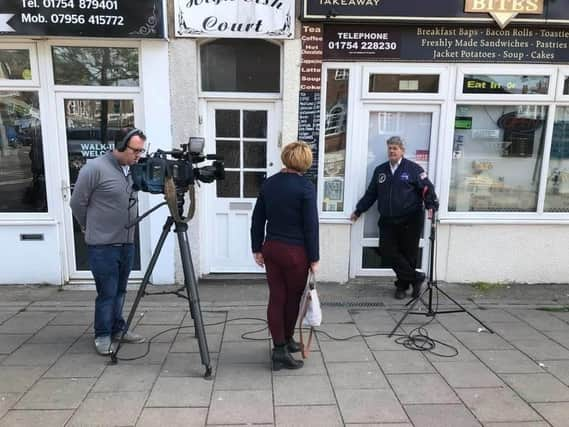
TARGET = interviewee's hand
(314,266)
(259,259)
(354,217)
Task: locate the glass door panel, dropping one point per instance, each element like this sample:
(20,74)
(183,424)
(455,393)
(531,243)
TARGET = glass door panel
(415,128)
(91,125)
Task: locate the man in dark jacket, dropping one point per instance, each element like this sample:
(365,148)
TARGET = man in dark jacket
(402,191)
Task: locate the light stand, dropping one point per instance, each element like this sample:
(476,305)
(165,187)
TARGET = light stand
(431,288)
(190,283)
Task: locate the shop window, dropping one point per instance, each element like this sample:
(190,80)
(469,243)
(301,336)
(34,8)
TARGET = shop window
(497,157)
(15,64)
(566,86)
(335,139)
(404,83)
(236,65)
(505,84)
(22,177)
(557,193)
(95,66)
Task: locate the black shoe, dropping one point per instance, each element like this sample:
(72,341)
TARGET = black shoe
(417,285)
(292,346)
(283,359)
(400,293)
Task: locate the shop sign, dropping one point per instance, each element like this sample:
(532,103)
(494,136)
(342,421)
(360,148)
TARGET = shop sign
(265,19)
(82,18)
(506,84)
(445,43)
(437,11)
(503,11)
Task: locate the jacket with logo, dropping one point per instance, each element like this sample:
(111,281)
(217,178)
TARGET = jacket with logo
(398,195)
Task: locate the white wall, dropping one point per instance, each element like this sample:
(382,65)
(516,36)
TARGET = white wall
(334,252)
(503,253)
(30,262)
(185,123)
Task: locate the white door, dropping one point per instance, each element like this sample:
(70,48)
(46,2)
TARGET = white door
(87,123)
(245,134)
(418,126)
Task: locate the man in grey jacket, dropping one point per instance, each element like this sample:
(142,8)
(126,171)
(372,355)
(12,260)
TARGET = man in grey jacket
(104,203)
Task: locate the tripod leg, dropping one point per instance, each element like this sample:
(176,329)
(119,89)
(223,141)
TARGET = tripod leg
(193,297)
(145,281)
(465,310)
(413,304)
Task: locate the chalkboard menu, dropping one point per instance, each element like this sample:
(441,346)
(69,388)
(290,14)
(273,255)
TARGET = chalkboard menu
(309,127)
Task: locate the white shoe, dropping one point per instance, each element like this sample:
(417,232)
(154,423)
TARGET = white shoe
(104,345)
(129,337)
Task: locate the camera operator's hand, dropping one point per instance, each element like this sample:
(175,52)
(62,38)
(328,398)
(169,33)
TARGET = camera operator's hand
(430,213)
(314,266)
(354,217)
(259,259)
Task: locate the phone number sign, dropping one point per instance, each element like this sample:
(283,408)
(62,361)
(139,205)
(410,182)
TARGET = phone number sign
(352,42)
(88,18)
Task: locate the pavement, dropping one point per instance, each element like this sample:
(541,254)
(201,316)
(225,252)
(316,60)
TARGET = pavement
(517,376)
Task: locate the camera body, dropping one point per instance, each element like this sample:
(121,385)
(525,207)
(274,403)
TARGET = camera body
(150,173)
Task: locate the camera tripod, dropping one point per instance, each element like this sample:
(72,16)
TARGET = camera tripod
(431,288)
(190,282)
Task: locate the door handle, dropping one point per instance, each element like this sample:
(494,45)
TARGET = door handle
(65,190)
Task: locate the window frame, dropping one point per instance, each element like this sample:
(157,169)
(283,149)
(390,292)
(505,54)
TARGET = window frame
(34,67)
(239,95)
(441,69)
(94,43)
(562,74)
(504,69)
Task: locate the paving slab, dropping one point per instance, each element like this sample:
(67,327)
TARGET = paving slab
(80,365)
(352,375)
(180,392)
(554,413)
(497,405)
(508,361)
(56,394)
(303,390)
(10,342)
(468,375)
(422,388)
(19,378)
(7,401)
(35,355)
(370,406)
(109,408)
(538,387)
(241,407)
(441,416)
(174,417)
(44,418)
(308,416)
(403,362)
(243,376)
(117,378)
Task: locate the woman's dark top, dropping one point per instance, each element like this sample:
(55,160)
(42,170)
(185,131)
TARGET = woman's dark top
(287,204)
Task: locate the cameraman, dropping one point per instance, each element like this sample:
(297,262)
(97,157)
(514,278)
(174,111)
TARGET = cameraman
(104,203)
(402,191)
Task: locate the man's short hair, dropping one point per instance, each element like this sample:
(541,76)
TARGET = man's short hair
(396,140)
(297,155)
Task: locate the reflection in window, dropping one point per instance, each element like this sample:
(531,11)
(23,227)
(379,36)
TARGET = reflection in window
(335,140)
(22,175)
(416,83)
(557,193)
(95,66)
(497,158)
(566,86)
(15,64)
(236,65)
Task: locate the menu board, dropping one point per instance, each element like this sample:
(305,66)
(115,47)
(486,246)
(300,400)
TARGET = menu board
(309,127)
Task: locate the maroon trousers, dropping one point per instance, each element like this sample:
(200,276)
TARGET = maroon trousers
(287,270)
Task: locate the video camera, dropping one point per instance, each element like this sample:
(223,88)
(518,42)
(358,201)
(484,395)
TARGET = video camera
(150,173)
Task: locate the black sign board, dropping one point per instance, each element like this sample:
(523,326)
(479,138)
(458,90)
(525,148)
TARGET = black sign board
(87,18)
(446,43)
(309,127)
(420,11)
